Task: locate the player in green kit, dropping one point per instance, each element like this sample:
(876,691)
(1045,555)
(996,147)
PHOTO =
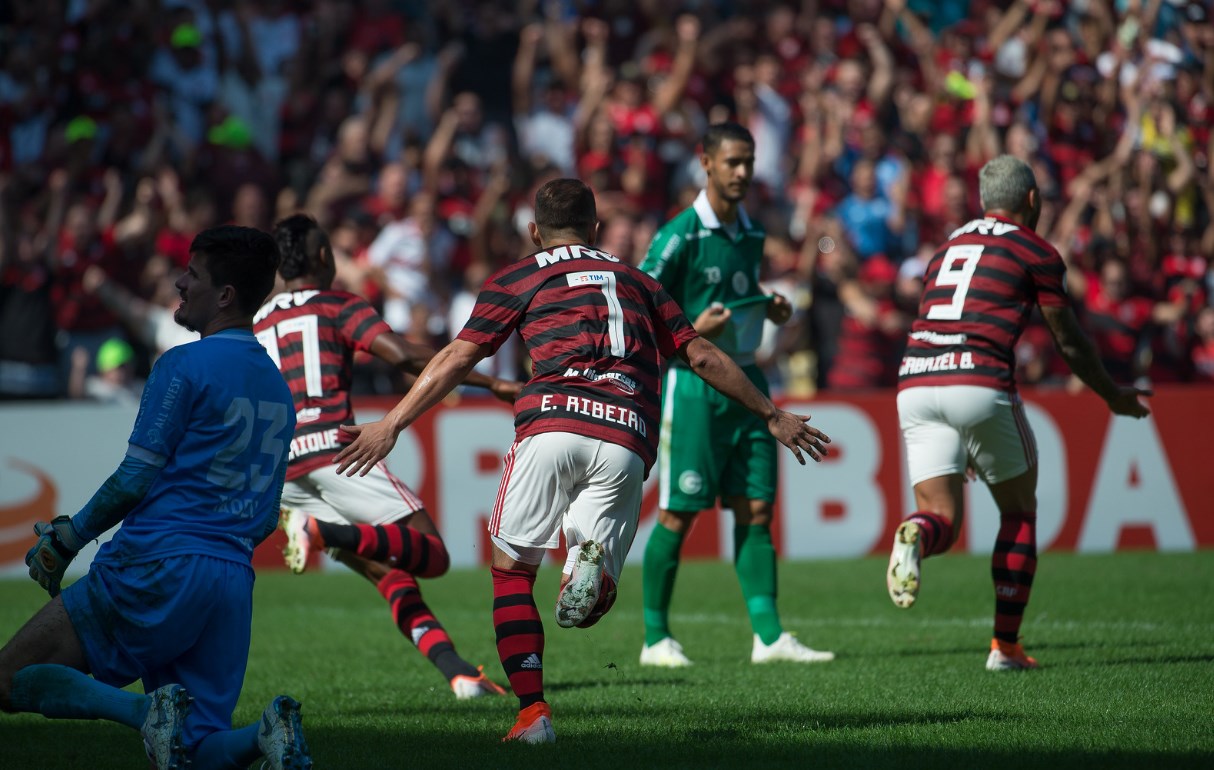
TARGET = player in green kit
(708,258)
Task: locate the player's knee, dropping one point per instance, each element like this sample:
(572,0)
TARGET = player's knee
(439,562)
(676,521)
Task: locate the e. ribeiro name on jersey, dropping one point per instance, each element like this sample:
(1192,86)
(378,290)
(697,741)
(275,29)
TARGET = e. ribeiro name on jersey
(312,336)
(597,330)
(979,289)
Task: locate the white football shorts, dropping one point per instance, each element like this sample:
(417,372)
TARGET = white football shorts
(948,427)
(589,488)
(377,498)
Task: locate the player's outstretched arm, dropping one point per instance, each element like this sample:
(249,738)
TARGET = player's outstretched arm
(61,539)
(1079,353)
(412,358)
(719,371)
(373,441)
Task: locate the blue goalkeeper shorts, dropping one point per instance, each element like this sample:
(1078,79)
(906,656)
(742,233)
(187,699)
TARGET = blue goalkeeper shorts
(183,620)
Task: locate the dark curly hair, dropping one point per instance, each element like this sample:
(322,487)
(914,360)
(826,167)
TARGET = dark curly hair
(304,246)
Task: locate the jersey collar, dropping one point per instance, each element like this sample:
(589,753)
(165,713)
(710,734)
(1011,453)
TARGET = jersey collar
(709,218)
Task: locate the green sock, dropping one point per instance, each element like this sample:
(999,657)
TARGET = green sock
(657,579)
(754,558)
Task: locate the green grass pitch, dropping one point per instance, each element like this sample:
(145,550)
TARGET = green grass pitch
(1126,644)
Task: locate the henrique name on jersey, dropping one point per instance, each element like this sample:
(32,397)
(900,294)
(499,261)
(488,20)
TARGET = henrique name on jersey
(302,446)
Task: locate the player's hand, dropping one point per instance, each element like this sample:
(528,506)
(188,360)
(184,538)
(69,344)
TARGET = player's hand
(506,390)
(373,442)
(779,310)
(1127,403)
(55,549)
(795,432)
(711,322)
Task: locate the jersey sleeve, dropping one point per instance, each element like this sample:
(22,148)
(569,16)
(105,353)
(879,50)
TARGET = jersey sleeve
(1049,278)
(359,324)
(164,409)
(497,313)
(664,259)
(672,329)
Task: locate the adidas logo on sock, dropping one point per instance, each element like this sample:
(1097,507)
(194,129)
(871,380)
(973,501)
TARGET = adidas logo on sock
(532,662)
(418,633)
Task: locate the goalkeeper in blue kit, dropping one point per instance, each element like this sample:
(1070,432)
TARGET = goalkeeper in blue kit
(168,600)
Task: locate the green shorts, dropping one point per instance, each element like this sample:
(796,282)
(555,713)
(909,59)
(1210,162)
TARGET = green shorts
(710,446)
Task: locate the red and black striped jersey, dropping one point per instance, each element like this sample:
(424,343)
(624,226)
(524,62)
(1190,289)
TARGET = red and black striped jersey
(598,331)
(979,290)
(312,335)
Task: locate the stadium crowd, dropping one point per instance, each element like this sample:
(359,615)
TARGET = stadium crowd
(417,132)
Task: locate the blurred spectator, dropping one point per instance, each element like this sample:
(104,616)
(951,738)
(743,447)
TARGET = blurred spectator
(114,382)
(411,256)
(873,331)
(417,132)
(1203,347)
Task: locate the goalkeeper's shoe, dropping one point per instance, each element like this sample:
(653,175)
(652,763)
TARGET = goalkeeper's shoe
(466,687)
(667,653)
(56,547)
(303,537)
(1008,657)
(787,648)
(534,725)
(280,737)
(580,595)
(902,577)
(162,727)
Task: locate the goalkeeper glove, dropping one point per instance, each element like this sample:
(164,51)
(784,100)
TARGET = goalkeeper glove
(56,547)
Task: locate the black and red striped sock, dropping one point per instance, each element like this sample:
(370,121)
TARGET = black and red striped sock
(418,624)
(520,633)
(935,532)
(1013,565)
(395,543)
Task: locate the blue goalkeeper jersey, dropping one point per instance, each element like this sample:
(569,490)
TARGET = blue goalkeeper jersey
(217,418)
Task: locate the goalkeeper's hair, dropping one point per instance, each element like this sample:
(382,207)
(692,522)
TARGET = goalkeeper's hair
(244,258)
(720,132)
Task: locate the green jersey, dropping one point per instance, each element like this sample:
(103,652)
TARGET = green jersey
(699,262)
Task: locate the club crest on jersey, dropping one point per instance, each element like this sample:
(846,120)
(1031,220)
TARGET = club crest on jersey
(741,283)
(690,482)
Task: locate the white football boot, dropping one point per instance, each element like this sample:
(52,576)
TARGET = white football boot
(787,648)
(902,577)
(581,593)
(281,738)
(300,529)
(667,653)
(162,727)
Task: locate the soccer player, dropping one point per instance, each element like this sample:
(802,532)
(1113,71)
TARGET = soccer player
(376,525)
(957,402)
(708,258)
(598,331)
(169,599)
